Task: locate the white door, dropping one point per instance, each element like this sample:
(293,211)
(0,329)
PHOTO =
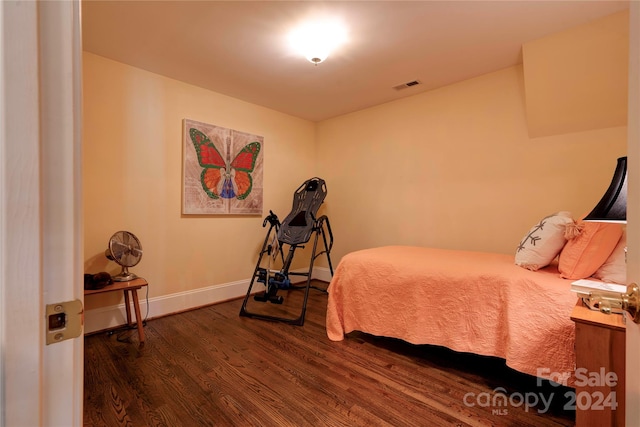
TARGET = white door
(40,210)
(633,216)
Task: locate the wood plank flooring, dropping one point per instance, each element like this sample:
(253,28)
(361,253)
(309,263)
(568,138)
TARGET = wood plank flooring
(211,367)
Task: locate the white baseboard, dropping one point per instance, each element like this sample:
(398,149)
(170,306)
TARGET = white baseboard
(113,316)
(322,273)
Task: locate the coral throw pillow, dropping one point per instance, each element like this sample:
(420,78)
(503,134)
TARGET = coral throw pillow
(584,254)
(544,241)
(614,269)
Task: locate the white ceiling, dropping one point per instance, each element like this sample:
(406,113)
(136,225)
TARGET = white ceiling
(238,48)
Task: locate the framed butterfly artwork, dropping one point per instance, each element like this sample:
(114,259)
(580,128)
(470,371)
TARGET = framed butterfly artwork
(222,170)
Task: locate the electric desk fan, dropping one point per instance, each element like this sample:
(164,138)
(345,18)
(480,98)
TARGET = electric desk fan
(126,250)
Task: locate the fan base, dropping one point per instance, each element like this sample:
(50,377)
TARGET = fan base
(124,277)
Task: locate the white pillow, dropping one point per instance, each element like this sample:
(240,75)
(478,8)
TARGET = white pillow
(544,241)
(614,269)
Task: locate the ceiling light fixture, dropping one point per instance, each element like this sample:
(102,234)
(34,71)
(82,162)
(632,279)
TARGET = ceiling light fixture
(316,40)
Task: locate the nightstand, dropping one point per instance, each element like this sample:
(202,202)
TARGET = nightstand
(600,367)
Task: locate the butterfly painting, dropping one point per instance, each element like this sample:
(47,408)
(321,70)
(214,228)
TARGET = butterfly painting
(219,177)
(223,170)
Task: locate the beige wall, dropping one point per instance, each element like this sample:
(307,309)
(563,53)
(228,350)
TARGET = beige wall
(455,168)
(132,160)
(576,80)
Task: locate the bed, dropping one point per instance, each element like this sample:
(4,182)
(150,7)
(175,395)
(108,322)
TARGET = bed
(473,302)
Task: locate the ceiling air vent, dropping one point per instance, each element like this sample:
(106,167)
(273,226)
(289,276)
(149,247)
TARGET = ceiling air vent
(406,85)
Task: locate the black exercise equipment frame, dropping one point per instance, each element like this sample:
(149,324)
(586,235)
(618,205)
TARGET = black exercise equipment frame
(297,228)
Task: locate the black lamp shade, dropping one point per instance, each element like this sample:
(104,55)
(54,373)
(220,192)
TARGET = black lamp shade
(613,205)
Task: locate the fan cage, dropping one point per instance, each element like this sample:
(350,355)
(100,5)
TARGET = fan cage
(125,249)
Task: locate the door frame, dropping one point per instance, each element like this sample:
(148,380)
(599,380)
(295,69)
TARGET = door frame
(40,209)
(632,368)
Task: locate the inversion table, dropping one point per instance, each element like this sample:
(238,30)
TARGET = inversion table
(296,230)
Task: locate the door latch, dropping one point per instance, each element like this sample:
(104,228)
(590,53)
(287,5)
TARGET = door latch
(64,321)
(617,303)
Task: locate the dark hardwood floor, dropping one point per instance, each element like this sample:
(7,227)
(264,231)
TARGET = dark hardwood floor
(211,367)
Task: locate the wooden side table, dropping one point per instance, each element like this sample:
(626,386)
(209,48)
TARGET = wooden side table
(600,351)
(131,286)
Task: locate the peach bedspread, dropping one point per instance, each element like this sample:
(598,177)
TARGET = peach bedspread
(467,301)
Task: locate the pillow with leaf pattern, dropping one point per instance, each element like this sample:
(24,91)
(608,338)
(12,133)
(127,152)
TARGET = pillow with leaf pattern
(544,241)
